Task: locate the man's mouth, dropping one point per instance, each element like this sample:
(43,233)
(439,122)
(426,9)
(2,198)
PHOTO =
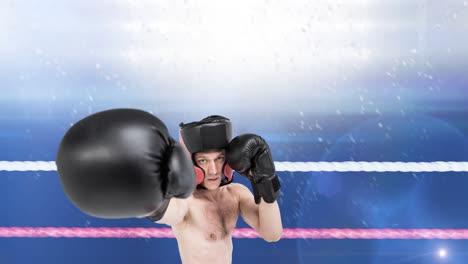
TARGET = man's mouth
(214,179)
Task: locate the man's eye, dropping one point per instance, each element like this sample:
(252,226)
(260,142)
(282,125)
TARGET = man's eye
(201,161)
(221,158)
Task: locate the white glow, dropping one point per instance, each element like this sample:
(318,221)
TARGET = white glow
(250,36)
(442,253)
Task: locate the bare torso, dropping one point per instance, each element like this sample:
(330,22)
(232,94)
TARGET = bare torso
(204,236)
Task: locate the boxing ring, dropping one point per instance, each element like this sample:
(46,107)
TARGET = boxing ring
(288,233)
(363,103)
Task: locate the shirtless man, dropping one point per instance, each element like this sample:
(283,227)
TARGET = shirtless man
(122,163)
(203,222)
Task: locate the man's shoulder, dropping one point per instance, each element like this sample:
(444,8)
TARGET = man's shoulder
(234,186)
(237,188)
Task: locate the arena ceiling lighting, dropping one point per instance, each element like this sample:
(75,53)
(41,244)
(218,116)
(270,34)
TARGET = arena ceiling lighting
(263,36)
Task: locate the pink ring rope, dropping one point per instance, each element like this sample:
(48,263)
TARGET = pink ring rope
(288,233)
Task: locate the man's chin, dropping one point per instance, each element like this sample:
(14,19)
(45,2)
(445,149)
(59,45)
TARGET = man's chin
(212,185)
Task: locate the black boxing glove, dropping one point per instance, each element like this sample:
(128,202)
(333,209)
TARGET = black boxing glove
(122,163)
(249,155)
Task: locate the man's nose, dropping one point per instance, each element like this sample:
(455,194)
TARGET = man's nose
(212,168)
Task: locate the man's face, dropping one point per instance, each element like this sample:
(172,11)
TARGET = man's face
(212,163)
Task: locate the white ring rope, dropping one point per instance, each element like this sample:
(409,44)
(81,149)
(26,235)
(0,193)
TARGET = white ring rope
(353,166)
(345,166)
(28,166)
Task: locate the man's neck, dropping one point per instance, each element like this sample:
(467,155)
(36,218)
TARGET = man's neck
(207,194)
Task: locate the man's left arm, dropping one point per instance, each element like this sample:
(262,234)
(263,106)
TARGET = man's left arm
(264,217)
(250,156)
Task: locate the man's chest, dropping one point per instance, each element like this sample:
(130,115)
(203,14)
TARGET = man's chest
(216,219)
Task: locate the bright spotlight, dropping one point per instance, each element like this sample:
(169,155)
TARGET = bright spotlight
(442,253)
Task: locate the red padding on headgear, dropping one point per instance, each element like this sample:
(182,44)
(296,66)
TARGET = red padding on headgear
(227,171)
(200,174)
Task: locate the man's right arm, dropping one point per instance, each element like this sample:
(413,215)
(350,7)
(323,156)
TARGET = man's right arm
(176,211)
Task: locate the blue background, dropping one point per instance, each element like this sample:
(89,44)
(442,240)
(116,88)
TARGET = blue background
(320,81)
